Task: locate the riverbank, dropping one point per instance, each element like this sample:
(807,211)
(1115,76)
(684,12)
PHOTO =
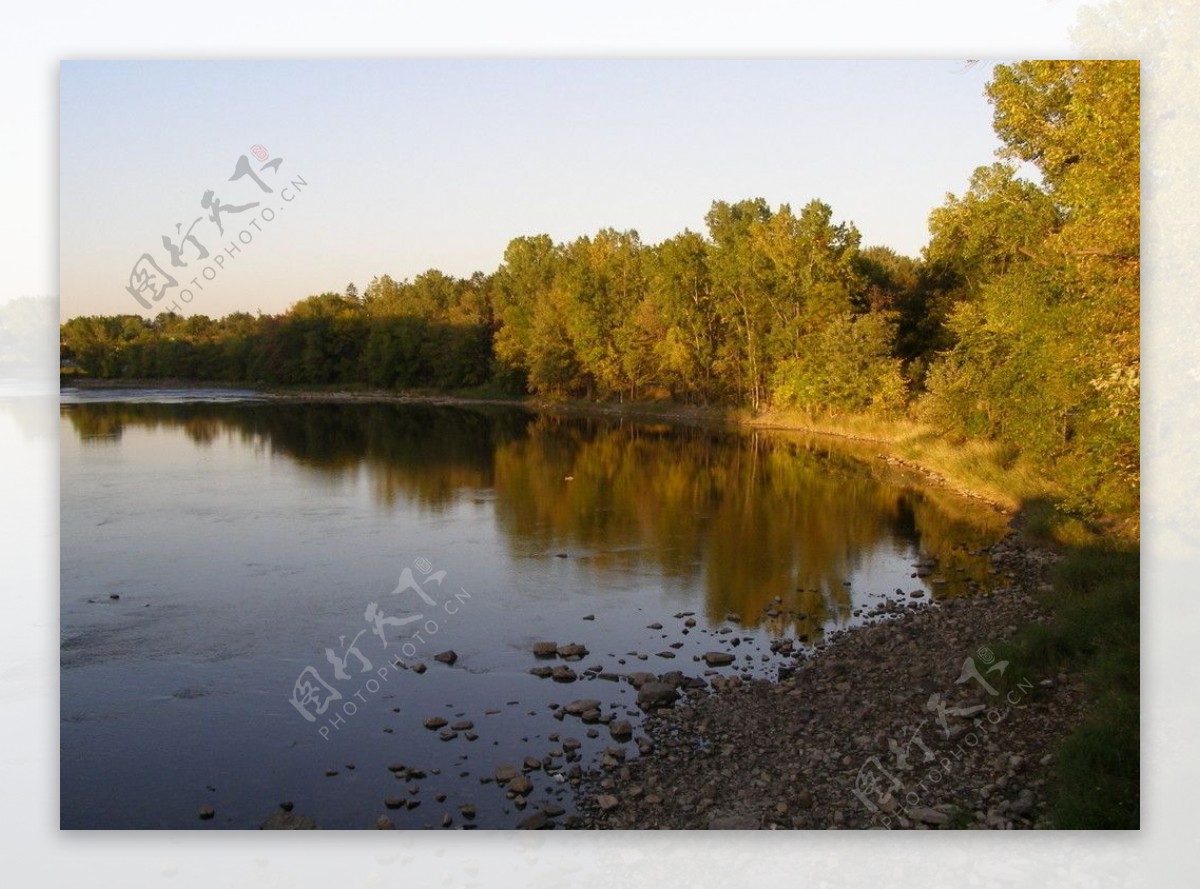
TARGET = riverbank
(967,713)
(973,470)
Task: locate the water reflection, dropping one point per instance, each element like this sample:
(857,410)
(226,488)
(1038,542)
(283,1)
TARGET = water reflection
(781,531)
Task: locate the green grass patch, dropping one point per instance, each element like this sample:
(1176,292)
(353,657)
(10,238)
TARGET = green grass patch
(1093,631)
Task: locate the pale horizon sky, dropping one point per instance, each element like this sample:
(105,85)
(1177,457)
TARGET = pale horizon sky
(412,165)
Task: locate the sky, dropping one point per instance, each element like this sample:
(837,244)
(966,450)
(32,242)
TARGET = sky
(403,166)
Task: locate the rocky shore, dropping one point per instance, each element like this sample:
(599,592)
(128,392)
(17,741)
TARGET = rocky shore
(911,722)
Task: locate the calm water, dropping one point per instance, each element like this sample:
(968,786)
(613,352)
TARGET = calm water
(247,540)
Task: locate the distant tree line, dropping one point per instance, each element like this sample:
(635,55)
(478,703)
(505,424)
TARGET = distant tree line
(1018,324)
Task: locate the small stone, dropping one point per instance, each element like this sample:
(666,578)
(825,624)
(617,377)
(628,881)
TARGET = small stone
(446,820)
(534,822)
(655,695)
(393,803)
(520,785)
(505,773)
(606,802)
(563,674)
(419,668)
(581,705)
(207,812)
(287,821)
(447,735)
(545,649)
(622,730)
(589,618)
(383,823)
(927,815)
(573,651)
(717,659)
(435,722)
(462,725)
(447,657)
(331,772)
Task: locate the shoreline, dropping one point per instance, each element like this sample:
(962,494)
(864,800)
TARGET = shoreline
(885,727)
(692,415)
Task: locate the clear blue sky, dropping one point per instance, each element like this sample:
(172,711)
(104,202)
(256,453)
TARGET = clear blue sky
(414,165)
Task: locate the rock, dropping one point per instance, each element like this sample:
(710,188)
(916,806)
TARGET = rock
(563,674)
(545,649)
(462,725)
(283,820)
(520,785)
(207,812)
(572,651)
(622,730)
(447,657)
(927,815)
(717,659)
(435,722)
(732,822)
(505,774)
(588,618)
(607,802)
(654,626)
(331,772)
(666,653)
(657,695)
(580,705)
(467,810)
(383,823)
(447,735)
(542,671)
(393,803)
(534,822)
(639,678)
(419,668)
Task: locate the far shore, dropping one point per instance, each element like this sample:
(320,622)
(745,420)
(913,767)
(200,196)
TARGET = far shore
(890,436)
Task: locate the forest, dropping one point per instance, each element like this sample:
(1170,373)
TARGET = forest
(1018,324)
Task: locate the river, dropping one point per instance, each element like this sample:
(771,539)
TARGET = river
(253,593)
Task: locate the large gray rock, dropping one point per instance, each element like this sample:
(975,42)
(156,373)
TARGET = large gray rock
(657,695)
(717,659)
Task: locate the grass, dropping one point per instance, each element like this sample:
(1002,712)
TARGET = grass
(1094,631)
